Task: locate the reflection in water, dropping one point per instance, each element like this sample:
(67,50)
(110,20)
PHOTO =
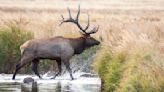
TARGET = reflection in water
(47,85)
(31,87)
(58,88)
(67,88)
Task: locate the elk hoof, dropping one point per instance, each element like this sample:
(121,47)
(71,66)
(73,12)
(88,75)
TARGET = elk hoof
(41,78)
(13,78)
(73,78)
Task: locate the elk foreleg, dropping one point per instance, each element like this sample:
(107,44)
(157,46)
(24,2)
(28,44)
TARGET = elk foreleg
(24,60)
(35,63)
(59,69)
(67,64)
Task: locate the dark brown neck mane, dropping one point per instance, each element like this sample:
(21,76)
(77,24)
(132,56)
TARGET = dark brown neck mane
(78,44)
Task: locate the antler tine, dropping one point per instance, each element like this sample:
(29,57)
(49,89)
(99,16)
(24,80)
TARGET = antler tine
(76,21)
(88,23)
(94,30)
(70,17)
(62,20)
(67,20)
(62,17)
(78,13)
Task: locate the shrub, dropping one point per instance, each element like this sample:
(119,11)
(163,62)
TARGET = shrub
(11,37)
(146,75)
(108,67)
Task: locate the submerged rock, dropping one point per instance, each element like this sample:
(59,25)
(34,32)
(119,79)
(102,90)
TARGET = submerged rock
(89,75)
(28,80)
(29,85)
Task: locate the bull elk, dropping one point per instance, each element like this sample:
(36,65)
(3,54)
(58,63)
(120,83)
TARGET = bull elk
(58,48)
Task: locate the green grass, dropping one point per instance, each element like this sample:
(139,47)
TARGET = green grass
(135,71)
(11,37)
(109,69)
(114,74)
(147,75)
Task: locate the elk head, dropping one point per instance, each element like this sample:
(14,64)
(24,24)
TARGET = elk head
(89,41)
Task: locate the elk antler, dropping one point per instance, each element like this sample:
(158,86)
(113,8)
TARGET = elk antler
(76,21)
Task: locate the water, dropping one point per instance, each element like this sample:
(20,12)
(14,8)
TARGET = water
(60,84)
(86,80)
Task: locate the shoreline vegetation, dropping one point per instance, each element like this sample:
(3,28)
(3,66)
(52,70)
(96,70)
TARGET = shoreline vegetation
(131,55)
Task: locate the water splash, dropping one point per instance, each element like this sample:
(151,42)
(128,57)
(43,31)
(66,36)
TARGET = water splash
(86,80)
(60,84)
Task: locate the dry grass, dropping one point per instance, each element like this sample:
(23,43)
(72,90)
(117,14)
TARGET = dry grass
(134,36)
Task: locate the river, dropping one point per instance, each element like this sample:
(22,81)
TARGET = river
(60,84)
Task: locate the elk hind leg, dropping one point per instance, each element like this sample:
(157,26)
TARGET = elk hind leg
(18,67)
(35,63)
(24,60)
(59,69)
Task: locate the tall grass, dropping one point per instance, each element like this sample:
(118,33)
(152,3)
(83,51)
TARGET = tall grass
(132,44)
(145,74)
(108,67)
(11,37)
(140,70)
(132,63)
